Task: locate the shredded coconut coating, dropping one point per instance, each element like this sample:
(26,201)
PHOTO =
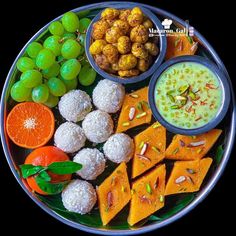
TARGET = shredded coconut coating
(93,162)
(108,96)
(119,148)
(75,105)
(69,137)
(98,126)
(79,196)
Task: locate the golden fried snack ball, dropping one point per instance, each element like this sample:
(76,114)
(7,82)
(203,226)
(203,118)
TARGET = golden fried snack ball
(151,48)
(136,10)
(99,29)
(102,62)
(139,34)
(111,53)
(124,14)
(97,46)
(135,19)
(113,34)
(110,13)
(115,66)
(110,22)
(122,25)
(139,51)
(147,24)
(124,45)
(128,73)
(143,65)
(127,62)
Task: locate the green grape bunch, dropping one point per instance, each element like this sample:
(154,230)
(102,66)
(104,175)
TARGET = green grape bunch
(55,63)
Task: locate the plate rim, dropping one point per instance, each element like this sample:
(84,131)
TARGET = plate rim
(203,194)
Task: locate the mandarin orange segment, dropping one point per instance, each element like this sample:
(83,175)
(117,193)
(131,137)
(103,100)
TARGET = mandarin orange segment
(30,125)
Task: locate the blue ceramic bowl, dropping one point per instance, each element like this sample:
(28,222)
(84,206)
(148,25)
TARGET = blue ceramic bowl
(142,76)
(223,84)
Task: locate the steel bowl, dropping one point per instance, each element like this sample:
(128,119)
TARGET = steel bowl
(223,83)
(142,76)
(14,159)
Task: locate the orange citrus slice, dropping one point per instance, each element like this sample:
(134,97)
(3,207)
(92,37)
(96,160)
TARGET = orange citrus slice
(30,125)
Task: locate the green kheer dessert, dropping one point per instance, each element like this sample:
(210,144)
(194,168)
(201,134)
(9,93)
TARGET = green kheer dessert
(188,95)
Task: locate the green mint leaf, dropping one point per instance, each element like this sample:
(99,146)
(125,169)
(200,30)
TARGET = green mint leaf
(65,167)
(50,188)
(219,154)
(45,176)
(28,170)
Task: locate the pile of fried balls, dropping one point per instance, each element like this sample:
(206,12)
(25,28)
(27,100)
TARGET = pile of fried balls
(120,42)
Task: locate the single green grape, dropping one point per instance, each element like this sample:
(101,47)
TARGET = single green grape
(52,101)
(56,87)
(31,78)
(70,49)
(20,93)
(53,43)
(70,84)
(70,21)
(87,75)
(56,28)
(68,36)
(45,59)
(81,39)
(40,93)
(33,49)
(52,71)
(24,64)
(83,24)
(70,69)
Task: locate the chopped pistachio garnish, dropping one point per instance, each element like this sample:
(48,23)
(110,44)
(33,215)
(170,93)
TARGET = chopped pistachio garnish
(155,149)
(140,106)
(141,144)
(156,125)
(183,89)
(123,189)
(174,107)
(161,198)
(148,188)
(176,150)
(199,150)
(141,115)
(125,124)
(172,99)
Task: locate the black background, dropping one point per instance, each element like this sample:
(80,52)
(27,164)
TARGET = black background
(19,21)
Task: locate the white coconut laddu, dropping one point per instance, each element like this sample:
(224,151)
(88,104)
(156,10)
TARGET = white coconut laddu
(69,137)
(75,105)
(108,96)
(79,196)
(93,163)
(98,126)
(118,148)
